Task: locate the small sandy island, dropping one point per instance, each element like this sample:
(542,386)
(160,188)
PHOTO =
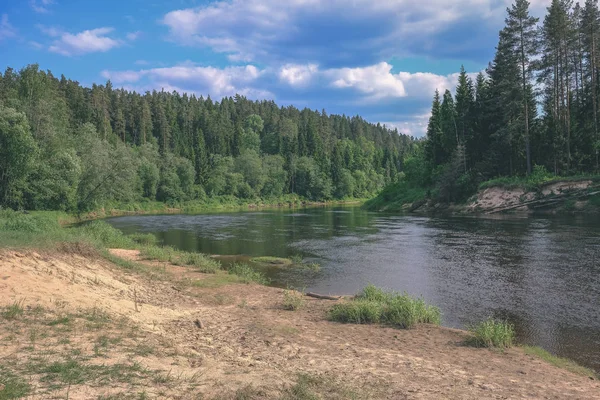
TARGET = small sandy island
(85,328)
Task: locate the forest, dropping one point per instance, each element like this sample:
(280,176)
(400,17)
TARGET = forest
(531,115)
(68,147)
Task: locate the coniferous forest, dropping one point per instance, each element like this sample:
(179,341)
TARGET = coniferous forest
(534,112)
(68,147)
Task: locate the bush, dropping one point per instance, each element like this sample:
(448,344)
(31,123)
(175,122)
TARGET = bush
(14,221)
(492,333)
(104,234)
(373,305)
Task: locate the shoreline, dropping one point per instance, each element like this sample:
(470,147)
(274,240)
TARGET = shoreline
(163,209)
(239,335)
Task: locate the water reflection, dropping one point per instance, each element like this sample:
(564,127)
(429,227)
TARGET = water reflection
(542,274)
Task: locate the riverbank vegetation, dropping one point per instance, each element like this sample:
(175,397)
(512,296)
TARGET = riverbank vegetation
(374,306)
(492,333)
(530,118)
(42,230)
(79,149)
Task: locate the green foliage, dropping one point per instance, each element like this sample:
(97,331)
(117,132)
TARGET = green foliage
(247,274)
(17,155)
(492,333)
(394,196)
(102,233)
(75,149)
(373,305)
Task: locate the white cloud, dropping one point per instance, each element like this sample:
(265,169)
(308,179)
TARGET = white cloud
(89,41)
(133,36)
(249,29)
(212,81)
(6,29)
(298,75)
(41,6)
(376,81)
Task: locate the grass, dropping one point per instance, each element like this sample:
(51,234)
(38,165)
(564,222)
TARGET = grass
(200,262)
(60,359)
(13,387)
(559,362)
(395,196)
(492,333)
(292,300)
(248,275)
(312,387)
(373,306)
(537,179)
(13,311)
(272,260)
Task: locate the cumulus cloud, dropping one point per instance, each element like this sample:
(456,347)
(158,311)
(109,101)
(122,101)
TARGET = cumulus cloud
(89,41)
(374,86)
(6,29)
(298,75)
(216,82)
(375,81)
(41,6)
(365,30)
(372,83)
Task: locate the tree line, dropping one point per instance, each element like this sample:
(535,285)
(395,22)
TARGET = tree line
(68,147)
(534,110)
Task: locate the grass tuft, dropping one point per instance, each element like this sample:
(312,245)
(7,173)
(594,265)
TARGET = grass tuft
(11,386)
(248,275)
(373,306)
(492,333)
(292,300)
(199,261)
(13,311)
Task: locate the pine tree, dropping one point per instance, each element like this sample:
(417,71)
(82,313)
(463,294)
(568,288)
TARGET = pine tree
(434,147)
(465,99)
(521,32)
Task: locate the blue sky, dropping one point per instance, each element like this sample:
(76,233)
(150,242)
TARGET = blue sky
(381,59)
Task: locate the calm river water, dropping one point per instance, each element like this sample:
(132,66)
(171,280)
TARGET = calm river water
(542,274)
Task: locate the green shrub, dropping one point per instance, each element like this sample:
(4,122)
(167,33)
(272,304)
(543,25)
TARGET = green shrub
(105,235)
(492,333)
(15,221)
(248,275)
(373,305)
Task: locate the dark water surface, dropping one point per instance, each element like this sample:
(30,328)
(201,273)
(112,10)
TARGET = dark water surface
(543,274)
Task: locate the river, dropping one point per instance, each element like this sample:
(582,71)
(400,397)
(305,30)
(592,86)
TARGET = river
(542,274)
